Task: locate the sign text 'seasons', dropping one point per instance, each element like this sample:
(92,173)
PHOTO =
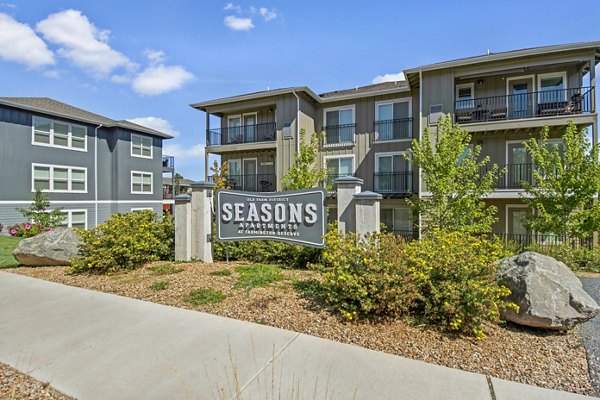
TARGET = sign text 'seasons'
(296,217)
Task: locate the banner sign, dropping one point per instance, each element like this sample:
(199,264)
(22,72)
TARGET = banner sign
(297,217)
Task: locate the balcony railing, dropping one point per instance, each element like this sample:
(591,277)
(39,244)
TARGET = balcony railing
(265,132)
(168,162)
(393,129)
(330,182)
(251,182)
(513,176)
(527,105)
(539,240)
(393,182)
(336,135)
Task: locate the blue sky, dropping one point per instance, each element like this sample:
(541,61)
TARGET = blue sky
(147,61)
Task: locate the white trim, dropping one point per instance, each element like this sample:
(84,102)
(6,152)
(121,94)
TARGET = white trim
(51,178)
(142,173)
(69,220)
(388,154)
(255,170)
(238,160)
(462,86)
(517,78)
(506,143)
(141,209)
(326,158)
(392,102)
(507,206)
(70,126)
(562,74)
(340,108)
(141,155)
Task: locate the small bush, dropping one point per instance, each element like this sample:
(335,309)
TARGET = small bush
(576,258)
(125,241)
(455,276)
(159,285)
(205,296)
(257,275)
(221,272)
(164,269)
(27,229)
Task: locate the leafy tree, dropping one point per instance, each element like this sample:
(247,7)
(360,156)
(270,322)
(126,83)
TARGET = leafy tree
(453,174)
(177,178)
(566,182)
(304,174)
(219,175)
(38,212)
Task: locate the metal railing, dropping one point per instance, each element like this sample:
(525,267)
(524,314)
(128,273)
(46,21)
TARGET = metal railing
(265,132)
(251,182)
(329,183)
(168,162)
(393,129)
(407,235)
(339,134)
(539,240)
(393,182)
(513,176)
(527,105)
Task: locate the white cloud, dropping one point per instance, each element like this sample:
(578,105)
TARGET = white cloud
(267,14)
(388,78)
(155,56)
(159,79)
(82,43)
(157,123)
(179,151)
(53,73)
(232,7)
(238,24)
(8,5)
(19,43)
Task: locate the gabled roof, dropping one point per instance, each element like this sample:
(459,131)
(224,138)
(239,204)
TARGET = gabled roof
(56,108)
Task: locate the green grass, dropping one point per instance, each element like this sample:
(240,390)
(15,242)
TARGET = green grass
(7,245)
(164,269)
(205,296)
(257,275)
(159,285)
(221,272)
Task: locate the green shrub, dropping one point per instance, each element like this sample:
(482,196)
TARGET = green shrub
(159,285)
(257,275)
(125,241)
(577,259)
(221,272)
(164,269)
(455,276)
(205,296)
(366,276)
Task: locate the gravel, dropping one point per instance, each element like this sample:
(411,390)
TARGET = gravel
(17,385)
(547,359)
(590,332)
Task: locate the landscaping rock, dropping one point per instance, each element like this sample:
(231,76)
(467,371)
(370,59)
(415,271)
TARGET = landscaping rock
(548,293)
(55,247)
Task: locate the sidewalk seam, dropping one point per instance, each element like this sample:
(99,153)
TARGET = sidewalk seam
(490,387)
(271,361)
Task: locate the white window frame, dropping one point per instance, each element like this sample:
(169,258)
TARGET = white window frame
(142,173)
(351,107)
(392,102)
(69,145)
(68,222)
(403,207)
(508,142)
(472,101)
(562,74)
(507,207)
(388,154)
(327,158)
(141,155)
(51,178)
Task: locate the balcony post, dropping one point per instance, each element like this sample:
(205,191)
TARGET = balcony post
(183,227)
(347,187)
(201,221)
(367,206)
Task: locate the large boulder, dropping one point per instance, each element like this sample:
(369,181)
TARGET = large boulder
(548,293)
(54,247)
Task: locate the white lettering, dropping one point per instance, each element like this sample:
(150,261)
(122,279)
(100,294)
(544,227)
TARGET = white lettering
(252,213)
(311,211)
(295,212)
(265,210)
(279,213)
(239,209)
(226,212)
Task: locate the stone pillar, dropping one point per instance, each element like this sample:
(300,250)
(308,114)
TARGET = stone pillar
(347,187)
(367,206)
(201,236)
(183,227)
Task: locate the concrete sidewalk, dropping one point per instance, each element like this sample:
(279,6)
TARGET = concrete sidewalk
(93,345)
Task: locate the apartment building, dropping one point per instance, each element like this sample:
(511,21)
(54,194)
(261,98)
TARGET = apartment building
(89,165)
(503,99)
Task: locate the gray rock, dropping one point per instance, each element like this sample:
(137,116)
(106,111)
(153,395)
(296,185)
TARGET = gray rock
(548,293)
(55,247)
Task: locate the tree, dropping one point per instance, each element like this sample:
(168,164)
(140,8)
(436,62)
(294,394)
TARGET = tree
(304,174)
(38,212)
(177,180)
(220,175)
(454,175)
(562,197)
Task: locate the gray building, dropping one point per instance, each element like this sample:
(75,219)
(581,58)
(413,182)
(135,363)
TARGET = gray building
(89,165)
(503,99)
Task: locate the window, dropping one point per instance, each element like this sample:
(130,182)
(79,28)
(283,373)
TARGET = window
(141,146)
(59,178)
(337,167)
(552,87)
(339,125)
(141,182)
(75,219)
(392,173)
(59,134)
(392,120)
(397,219)
(465,94)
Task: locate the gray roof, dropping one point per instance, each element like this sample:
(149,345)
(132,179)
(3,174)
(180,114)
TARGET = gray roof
(53,107)
(370,90)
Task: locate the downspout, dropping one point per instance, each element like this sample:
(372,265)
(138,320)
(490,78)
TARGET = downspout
(297,123)
(420,135)
(96,174)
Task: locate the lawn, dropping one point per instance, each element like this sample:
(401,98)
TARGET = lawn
(7,245)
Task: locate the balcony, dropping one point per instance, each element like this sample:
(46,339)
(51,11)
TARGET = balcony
(168,163)
(527,105)
(393,183)
(257,133)
(252,182)
(393,129)
(339,135)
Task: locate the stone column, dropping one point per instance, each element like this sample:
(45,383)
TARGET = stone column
(201,236)
(367,206)
(347,187)
(183,227)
